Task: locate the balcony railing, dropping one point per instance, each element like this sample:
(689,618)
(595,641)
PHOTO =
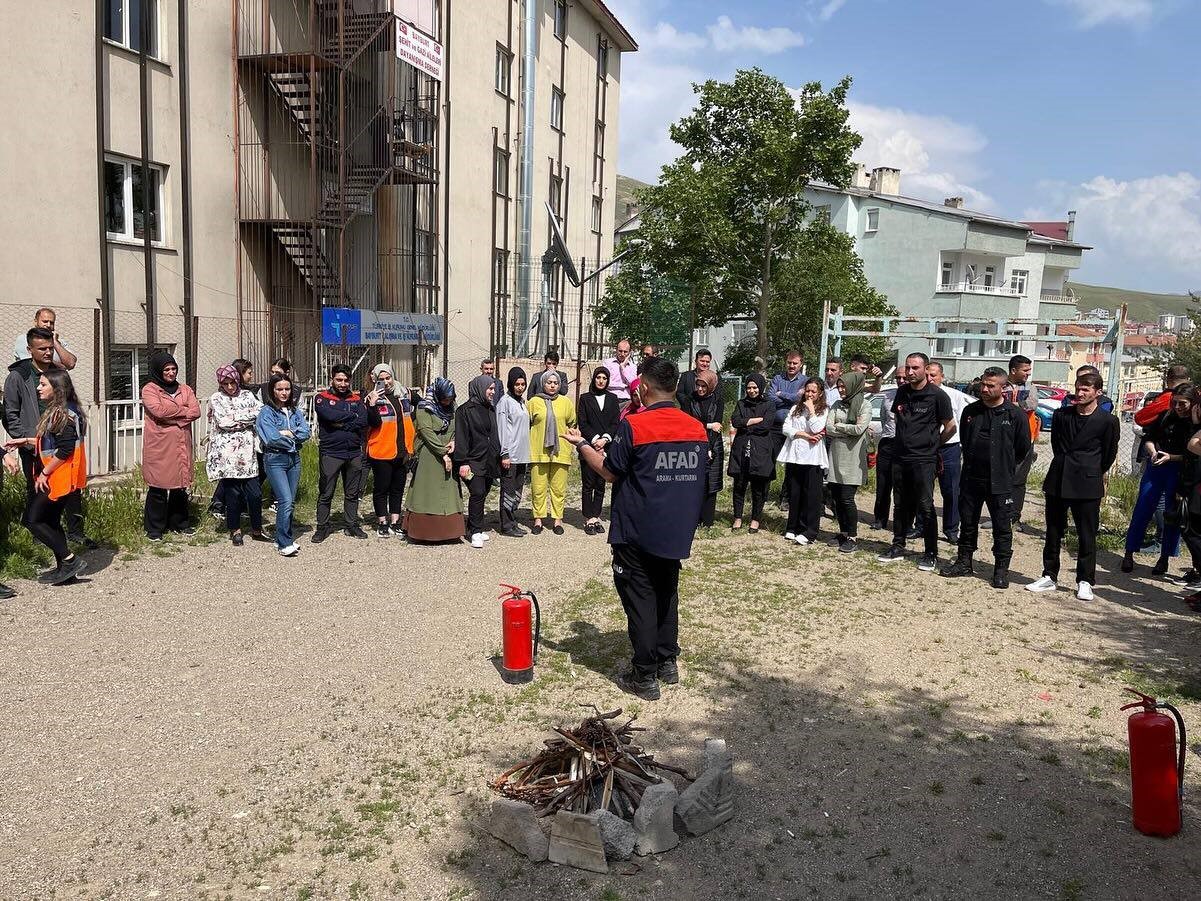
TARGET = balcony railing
(1052,297)
(1004,290)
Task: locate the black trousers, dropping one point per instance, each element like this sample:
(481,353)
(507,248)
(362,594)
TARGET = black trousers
(758,493)
(166,510)
(477,493)
(44,519)
(26,455)
(649,588)
(804,498)
(845,510)
(973,496)
(593,487)
(1019,486)
(1086,514)
(512,485)
(351,472)
(243,496)
(388,488)
(884,461)
(1191,535)
(914,484)
(217,503)
(708,510)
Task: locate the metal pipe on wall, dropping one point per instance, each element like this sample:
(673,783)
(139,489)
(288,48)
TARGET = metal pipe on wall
(147,194)
(525,197)
(185,140)
(446,205)
(105,290)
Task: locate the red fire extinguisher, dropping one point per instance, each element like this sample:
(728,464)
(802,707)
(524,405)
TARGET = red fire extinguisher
(1156,766)
(520,646)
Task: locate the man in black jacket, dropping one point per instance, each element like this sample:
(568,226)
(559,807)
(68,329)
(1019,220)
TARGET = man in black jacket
(1084,441)
(995,438)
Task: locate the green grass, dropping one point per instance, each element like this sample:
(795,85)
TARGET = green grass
(1143,305)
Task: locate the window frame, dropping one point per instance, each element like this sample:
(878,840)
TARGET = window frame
(868,227)
(602,57)
(503,54)
(560,20)
(947,274)
(555,195)
(129,233)
(500,163)
(1022,275)
(558,104)
(155,51)
(598,214)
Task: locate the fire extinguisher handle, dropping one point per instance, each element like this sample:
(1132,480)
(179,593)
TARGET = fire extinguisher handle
(537,623)
(1144,701)
(1183,747)
(510,591)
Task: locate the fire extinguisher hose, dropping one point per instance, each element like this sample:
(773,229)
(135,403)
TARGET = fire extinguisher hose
(1183,747)
(538,637)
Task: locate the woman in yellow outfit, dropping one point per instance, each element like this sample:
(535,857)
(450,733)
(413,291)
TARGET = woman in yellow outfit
(551,415)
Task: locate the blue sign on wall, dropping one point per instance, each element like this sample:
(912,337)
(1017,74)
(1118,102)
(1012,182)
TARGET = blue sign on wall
(343,325)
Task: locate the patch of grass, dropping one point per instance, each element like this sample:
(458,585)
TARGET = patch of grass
(1072,889)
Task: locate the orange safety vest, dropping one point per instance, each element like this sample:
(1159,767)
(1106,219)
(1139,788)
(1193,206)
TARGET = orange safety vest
(395,426)
(72,473)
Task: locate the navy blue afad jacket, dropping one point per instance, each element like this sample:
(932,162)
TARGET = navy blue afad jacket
(342,424)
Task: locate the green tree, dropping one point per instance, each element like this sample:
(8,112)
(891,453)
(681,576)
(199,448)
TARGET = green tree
(824,267)
(731,209)
(1187,349)
(643,305)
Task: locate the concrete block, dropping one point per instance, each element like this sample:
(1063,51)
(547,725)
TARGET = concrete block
(708,802)
(653,820)
(575,839)
(618,835)
(716,754)
(514,823)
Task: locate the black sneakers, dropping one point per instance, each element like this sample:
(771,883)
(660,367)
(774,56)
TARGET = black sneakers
(927,563)
(1000,577)
(892,555)
(641,681)
(961,567)
(355,531)
(64,573)
(320,535)
(669,672)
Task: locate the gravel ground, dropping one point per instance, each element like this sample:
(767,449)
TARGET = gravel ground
(225,723)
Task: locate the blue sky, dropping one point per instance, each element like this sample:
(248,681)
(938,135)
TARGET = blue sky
(1027,108)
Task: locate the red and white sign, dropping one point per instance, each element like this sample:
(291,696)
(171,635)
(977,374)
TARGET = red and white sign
(418,50)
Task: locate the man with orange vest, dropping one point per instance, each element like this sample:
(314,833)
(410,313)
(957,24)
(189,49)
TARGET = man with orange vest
(656,462)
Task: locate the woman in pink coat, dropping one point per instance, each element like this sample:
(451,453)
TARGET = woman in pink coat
(169,409)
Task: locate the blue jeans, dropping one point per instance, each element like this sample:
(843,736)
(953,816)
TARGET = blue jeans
(283,473)
(1158,482)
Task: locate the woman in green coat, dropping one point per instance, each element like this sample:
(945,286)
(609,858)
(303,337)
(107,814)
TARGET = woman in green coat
(434,510)
(847,426)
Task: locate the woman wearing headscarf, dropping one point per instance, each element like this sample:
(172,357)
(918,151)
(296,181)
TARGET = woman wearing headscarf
(233,414)
(847,426)
(551,415)
(477,451)
(751,462)
(434,511)
(389,446)
(706,405)
(599,415)
(513,430)
(169,409)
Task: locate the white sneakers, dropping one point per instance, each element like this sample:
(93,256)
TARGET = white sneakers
(487,536)
(1046,583)
(789,536)
(478,539)
(1084,591)
(290,551)
(801,540)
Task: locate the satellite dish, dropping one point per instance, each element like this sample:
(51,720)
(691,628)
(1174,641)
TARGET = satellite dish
(558,248)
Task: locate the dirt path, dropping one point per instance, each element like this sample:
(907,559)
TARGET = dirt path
(231,724)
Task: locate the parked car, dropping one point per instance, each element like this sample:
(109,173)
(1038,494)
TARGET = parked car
(1050,399)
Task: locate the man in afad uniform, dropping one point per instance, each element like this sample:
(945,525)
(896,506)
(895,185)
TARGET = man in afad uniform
(657,463)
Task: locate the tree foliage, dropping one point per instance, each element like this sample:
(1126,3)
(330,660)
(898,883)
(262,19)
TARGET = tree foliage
(1187,349)
(730,210)
(824,267)
(645,306)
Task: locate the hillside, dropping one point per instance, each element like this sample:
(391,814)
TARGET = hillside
(626,187)
(1143,306)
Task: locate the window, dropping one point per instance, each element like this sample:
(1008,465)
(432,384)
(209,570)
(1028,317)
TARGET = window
(123,23)
(128,371)
(873,221)
(123,213)
(971,273)
(822,213)
(948,275)
(561,19)
(500,175)
(424,247)
(556,109)
(1017,281)
(741,331)
(596,214)
(598,154)
(504,66)
(501,271)
(602,58)
(990,275)
(556,196)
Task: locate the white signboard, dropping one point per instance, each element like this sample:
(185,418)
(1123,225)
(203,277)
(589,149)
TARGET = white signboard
(418,50)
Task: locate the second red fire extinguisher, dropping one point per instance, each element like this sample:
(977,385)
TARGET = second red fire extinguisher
(520,633)
(1156,767)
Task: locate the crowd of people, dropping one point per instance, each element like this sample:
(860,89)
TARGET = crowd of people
(426,454)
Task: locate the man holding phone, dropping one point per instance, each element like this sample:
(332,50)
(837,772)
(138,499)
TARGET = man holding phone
(1166,442)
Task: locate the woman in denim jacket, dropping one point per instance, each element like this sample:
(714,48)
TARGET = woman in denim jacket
(282,429)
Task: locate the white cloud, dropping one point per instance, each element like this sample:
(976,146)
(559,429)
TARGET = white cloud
(728,38)
(830,8)
(1103,12)
(937,156)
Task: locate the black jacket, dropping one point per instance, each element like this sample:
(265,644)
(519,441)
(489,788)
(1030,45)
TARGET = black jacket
(710,409)
(1009,443)
(1084,448)
(476,440)
(751,452)
(593,420)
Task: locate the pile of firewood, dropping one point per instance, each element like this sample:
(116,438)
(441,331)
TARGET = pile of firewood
(594,767)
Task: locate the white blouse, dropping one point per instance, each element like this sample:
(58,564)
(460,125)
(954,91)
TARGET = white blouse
(798,450)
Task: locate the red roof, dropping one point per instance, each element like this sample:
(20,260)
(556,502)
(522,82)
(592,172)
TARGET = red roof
(1056,230)
(1148,340)
(1078,331)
